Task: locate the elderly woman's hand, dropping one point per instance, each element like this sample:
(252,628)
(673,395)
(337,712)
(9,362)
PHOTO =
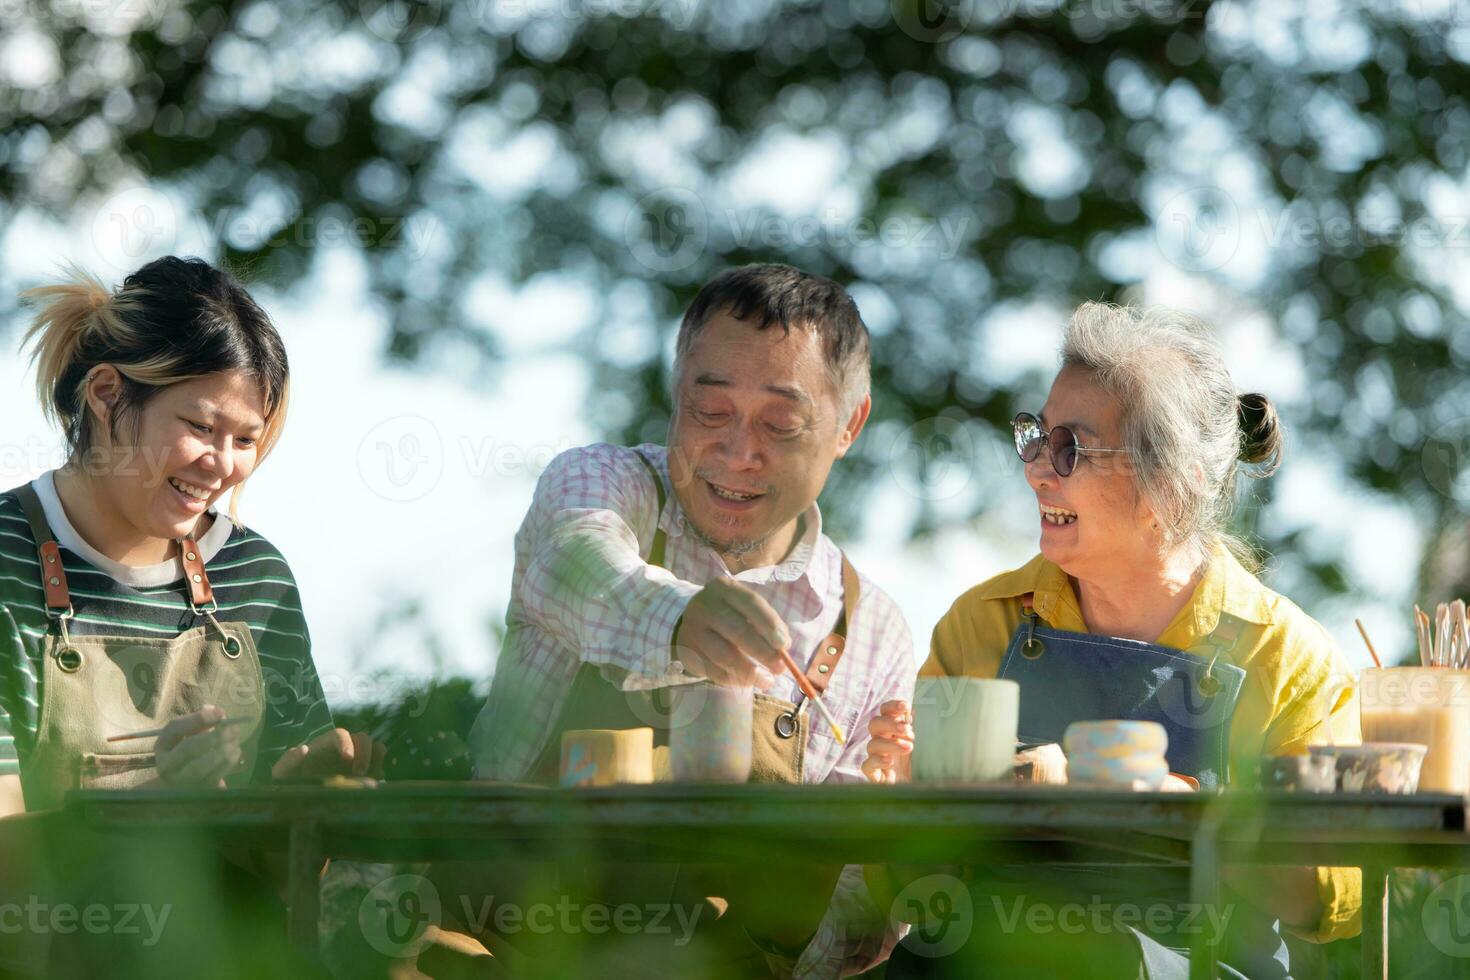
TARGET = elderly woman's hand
(334,753)
(892,745)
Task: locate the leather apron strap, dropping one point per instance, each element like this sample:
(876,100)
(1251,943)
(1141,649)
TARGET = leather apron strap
(48,553)
(53,573)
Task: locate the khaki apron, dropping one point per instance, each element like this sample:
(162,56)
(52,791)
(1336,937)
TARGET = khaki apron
(778,727)
(94,687)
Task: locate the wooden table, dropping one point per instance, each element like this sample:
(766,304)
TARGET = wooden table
(850,824)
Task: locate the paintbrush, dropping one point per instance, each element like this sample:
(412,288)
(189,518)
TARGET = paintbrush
(1369,644)
(1460,632)
(1421,630)
(155,732)
(1442,635)
(813,697)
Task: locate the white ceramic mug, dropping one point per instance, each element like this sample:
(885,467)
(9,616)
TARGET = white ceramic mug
(710,734)
(965,729)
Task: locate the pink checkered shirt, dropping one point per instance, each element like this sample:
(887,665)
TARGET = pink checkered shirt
(583,591)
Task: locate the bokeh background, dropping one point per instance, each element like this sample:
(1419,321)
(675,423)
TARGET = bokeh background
(478,222)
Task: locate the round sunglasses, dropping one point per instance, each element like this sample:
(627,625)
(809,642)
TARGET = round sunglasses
(1061,442)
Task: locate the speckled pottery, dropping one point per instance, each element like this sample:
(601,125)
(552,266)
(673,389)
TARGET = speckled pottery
(1136,772)
(1383,768)
(1114,739)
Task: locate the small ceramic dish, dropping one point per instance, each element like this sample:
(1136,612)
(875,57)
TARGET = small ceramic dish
(1384,768)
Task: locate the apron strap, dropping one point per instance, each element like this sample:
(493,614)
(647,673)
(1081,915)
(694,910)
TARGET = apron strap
(660,540)
(53,574)
(829,653)
(197,579)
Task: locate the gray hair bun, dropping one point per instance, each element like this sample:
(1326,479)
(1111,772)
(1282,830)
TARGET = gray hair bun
(1262,439)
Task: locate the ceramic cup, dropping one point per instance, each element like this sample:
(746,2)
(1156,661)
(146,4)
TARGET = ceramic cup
(605,757)
(710,738)
(1375,767)
(965,729)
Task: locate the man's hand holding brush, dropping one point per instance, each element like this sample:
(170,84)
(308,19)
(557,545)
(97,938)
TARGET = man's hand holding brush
(731,636)
(735,638)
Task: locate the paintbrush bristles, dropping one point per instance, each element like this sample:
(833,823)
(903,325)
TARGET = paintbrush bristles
(1444,641)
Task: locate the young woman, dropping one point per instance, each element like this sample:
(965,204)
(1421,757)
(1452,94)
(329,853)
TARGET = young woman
(128,602)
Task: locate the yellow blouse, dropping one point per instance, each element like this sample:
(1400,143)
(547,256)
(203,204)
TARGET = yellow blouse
(1295,675)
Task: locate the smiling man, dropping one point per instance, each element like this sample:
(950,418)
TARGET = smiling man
(639,569)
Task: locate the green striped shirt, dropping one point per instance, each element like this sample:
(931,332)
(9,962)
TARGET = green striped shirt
(253,585)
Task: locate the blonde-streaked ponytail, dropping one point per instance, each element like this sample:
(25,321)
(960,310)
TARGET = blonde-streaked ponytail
(70,311)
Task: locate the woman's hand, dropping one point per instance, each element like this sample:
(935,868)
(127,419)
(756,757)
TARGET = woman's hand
(892,745)
(196,750)
(334,753)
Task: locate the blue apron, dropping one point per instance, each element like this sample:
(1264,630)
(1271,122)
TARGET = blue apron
(1066,677)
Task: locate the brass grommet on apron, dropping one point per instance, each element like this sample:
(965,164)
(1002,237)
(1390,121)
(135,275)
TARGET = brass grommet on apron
(68,658)
(232,645)
(1209,684)
(786,724)
(1031,647)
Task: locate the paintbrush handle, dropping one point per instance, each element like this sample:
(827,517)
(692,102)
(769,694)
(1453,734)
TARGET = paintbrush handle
(801,679)
(155,732)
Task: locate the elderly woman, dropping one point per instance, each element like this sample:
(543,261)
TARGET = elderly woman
(1142,606)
